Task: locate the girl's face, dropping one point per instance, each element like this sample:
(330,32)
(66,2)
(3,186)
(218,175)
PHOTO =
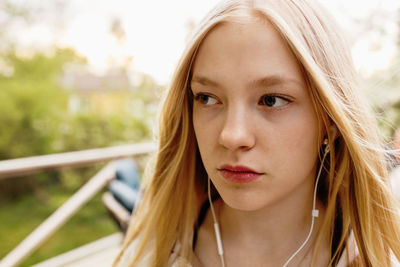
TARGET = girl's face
(253,117)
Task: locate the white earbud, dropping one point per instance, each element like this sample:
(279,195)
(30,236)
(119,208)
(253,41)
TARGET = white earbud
(327,150)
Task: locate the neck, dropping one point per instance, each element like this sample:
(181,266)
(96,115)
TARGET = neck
(270,234)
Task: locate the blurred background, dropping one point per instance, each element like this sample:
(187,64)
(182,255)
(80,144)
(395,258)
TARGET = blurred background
(77,74)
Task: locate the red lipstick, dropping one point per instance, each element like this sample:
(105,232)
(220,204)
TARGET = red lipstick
(238,174)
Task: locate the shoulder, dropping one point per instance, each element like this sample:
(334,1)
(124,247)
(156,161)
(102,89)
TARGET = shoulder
(181,262)
(178,261)
(130,252)
(146,259)
(351,254)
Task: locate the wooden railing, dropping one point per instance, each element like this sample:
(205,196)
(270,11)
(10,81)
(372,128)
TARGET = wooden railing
(23,166)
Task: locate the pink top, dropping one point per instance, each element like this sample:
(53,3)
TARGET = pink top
(349,254)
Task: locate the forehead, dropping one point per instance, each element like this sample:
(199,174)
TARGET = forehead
(245,50)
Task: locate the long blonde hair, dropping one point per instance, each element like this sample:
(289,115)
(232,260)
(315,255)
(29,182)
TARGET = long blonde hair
(354,188)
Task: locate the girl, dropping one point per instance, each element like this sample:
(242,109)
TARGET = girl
(268,155)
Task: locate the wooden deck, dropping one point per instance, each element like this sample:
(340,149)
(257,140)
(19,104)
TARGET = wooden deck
(100,253)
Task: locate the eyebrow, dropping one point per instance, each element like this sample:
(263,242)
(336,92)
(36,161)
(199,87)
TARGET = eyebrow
(262,82)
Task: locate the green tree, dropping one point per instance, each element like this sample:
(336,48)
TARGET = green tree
(33,108)
(33,103)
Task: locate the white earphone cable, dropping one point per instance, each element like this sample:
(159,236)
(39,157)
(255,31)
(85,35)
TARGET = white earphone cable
(314,213)
(216,227)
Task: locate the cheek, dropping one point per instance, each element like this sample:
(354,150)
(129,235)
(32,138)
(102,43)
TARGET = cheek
(304,135)
(197,126)
(206,131)
(299,144)
(203,131)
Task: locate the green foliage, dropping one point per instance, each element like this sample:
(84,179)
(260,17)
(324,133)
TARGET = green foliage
(90,223)
(35,119)
(32,104)
(85,131)
(32,110)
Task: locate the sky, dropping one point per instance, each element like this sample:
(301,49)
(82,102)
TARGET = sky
(156,30)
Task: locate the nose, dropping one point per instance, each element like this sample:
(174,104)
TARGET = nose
(237,132)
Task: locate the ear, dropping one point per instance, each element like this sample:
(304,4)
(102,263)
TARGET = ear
(333,131)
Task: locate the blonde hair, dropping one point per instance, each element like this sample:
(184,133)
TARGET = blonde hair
(354,187)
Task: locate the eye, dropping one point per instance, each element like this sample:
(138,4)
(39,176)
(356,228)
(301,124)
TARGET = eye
(273,101)
(205,99)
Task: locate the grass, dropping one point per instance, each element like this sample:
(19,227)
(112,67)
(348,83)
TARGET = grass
(19,218)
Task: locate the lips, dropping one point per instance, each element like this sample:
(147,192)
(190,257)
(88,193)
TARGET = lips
(239,174)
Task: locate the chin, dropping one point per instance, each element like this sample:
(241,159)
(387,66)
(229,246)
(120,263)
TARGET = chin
(242,202)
